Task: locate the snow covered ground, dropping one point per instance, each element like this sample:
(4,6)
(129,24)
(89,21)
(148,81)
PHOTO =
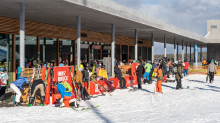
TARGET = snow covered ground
(177,106)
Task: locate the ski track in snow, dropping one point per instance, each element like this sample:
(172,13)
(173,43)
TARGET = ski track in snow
(174,106)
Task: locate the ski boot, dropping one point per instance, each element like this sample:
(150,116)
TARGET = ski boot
(30,102)
(17,104)
(42,100)
(62,103)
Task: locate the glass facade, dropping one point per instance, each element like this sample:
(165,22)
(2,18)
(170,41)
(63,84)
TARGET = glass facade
(6,55)
(131,52)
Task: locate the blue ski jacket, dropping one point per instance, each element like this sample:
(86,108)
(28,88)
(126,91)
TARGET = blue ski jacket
(19,82)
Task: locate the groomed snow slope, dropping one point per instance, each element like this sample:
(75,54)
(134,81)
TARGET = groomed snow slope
(177,106)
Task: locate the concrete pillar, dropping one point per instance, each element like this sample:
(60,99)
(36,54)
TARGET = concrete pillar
(152,49)
(78,41)
(22,35)
(174,49)
(136,45)
(182,51)
(165,49)
(44,51)
(186,53)
(190,53)
(113,48)
(177,52)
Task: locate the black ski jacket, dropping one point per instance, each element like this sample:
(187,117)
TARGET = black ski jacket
(139,70)
(85,76)
(164,67)
(117,71)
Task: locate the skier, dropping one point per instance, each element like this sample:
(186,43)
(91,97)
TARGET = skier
(15,87)
(159,80)
(211,71)
(139,75)
(179,75)
(86,78)
(147,68)
(102,73)
(64,89)
(164,66)
(3,83)
(186,65)
(78,78)
(118,75)
(167,68)
(37,84)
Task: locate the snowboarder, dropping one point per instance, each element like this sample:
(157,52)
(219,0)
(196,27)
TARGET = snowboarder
(118,75)
(78,78)
(147,68)
(211,71)
(179,75)
(102,73)
(15,87)
(37,84)
(64,89)
(139,75)
(159,80)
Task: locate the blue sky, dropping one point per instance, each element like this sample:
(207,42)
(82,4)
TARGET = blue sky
(190,15)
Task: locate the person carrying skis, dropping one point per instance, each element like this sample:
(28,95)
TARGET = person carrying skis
(211,71)
(179,75)
(159,80)
(139,75)
(78,78)
(147,68)
(16,86)
(118,75)
(37,84)
(64,89)
(102,73)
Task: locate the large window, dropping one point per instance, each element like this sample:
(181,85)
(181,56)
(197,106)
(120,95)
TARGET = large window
(131,52)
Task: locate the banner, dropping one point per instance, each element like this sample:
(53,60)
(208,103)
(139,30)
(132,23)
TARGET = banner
(196,53)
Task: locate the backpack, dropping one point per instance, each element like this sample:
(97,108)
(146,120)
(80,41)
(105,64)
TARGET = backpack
(67,86)
(175,70)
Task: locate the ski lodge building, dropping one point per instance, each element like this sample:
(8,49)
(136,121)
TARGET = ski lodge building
(84,30)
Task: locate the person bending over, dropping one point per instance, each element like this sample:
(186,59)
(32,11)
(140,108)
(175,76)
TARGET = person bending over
(37,84)
(16,86)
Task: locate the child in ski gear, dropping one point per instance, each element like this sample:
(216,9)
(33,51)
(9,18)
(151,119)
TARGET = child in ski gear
(16,86)
(102,73)
(211,71)
(186,65)
(37,84)
(78,78)
(147,68)
(179,75)
(139,75)
(64,89)
(118,75)
(3,83)
(159,79)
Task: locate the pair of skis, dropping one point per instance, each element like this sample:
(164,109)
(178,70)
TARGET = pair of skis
(95,82)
